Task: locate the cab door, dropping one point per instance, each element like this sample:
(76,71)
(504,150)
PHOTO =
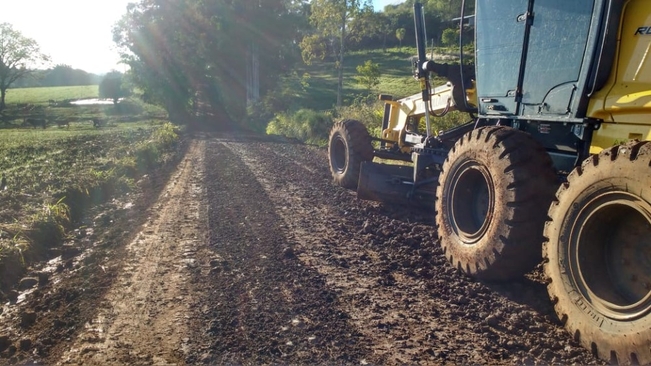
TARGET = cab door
(500,30)
(556,56)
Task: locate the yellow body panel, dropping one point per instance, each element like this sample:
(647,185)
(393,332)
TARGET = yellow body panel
(624,103)
(413,106)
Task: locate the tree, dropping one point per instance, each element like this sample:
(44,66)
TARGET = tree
(179,50)
(450,37)
(113,86)
(19,56)
(65,75)
(339,21)
(385,27)
(400,34)
(368,74)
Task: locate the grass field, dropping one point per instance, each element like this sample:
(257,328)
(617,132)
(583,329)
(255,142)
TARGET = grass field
(50,175)
(35,103)
(44,163)
(45,94)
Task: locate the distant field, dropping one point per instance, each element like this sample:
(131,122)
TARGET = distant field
(45,94)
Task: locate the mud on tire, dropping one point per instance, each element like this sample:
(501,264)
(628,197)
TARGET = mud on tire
(491,199)
(349,145)
(598,254)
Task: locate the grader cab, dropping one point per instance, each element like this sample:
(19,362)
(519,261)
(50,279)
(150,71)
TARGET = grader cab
(554,164)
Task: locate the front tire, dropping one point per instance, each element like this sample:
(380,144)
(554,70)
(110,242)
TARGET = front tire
(490,203)
(349,145)
(598,254)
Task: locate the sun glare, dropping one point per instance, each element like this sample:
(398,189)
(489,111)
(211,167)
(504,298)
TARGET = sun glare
(72,32)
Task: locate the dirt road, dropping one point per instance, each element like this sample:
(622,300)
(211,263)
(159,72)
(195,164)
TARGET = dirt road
(246,253)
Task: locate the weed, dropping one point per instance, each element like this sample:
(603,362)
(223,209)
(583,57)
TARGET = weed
(304,124)
(166,135)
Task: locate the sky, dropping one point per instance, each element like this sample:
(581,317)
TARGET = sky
(78,32)
(72,32)
(380,4)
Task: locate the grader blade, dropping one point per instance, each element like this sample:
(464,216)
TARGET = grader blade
(391,184)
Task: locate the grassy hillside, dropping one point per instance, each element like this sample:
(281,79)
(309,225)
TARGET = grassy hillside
(309,115)
(396,78)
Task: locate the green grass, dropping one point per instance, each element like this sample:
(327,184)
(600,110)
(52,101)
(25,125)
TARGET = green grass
(44,94)
(53,174)
(396,78)
(40,165)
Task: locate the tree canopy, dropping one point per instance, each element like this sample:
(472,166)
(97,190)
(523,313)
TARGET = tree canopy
(336,22)
(19,56)
(113,86)
(178,50)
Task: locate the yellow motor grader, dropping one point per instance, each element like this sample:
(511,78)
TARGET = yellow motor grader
(554,163)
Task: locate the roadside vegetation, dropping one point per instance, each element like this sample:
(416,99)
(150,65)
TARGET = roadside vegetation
(52,175)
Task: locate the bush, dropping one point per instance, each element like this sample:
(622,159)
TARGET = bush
(366,110)
(166,135)
(444,123)
(285,97)
(113,86)
(368,75)
(450,37)
(128,106)
(305,125)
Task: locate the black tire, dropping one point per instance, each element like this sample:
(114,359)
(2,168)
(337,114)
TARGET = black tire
(490,203)
(349,145)
(598,254)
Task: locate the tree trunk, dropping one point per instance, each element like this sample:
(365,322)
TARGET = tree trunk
(3,93)
(342,49)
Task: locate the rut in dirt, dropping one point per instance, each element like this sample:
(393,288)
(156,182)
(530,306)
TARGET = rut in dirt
(268,306)
(143,319)
(382,265)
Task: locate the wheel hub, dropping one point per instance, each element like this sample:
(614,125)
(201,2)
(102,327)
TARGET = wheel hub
(472,201)
(610,255)
(339,156)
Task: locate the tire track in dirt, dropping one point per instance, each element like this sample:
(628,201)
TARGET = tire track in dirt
(391,277)
(316,227)
(267,306)
(144,317)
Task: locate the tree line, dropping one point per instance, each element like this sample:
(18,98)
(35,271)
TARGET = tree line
(59,75)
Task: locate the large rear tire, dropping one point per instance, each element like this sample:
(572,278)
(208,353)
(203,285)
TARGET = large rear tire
(598,254)
(349,145)
(490,203)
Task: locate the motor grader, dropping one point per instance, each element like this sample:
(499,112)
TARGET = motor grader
(553,165)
